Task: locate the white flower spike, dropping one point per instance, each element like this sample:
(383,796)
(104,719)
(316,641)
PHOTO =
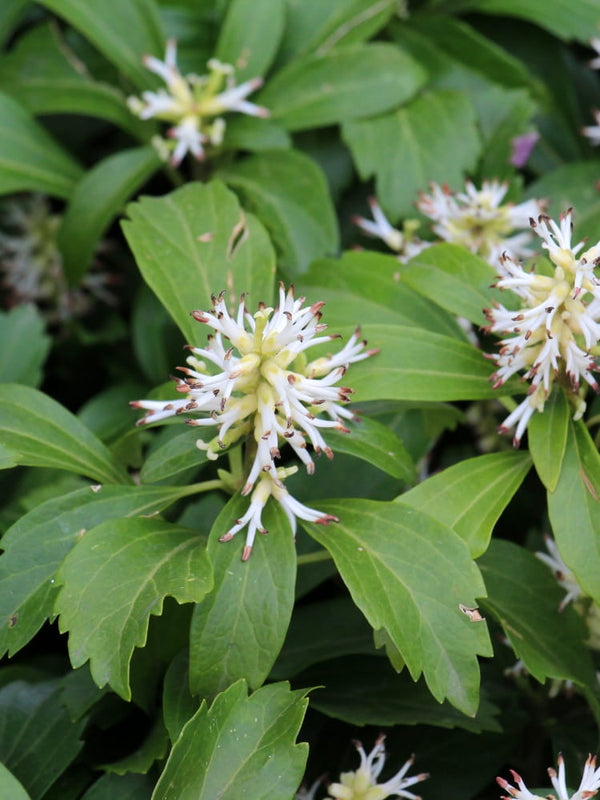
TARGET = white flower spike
(588,787)
(194,104)
(265,391)
(562,573)
(403,242)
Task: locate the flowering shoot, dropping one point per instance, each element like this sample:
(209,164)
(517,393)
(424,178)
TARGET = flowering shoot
(588,787)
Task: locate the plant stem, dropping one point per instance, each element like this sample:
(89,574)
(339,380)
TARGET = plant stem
(312,558)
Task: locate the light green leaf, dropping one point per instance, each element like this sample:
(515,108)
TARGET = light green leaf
(288,193)
(239,628)
(175,456)
(10,786)
(408,574)
(574,509)
(123,787)
(547,438)
(195,242)
(10,11)
(36,544)
(114,578)
(250,36)
(346,83)
(44,434)
(255,134)
(409,147)
(122,30)
(524,597)
(470,496)
(97,198)
(24,345)
(30,159)
(240,746)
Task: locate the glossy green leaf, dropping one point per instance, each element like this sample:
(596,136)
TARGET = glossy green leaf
(470,496)
(30,159)
(196,242)
(287,191)
(97,198)
(408,574)
(239,628)
(375,443)
(122,30)
(114,578)
(524,596)
(44,434)
(313,25)
(36,544)
(574,509)
(547,438)
(365,690)
(240,746)
(409,147)
(10,786)
(40,73)
(250,35)
(124,787)
(175,456)
(457,280)
(346,83)
(38,741)
(25,345)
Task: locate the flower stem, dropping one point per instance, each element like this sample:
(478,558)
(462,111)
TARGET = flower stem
(313,558)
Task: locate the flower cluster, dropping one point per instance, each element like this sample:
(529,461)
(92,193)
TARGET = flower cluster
(193,104)
(361,784)
(266,393)
(588,787)
(478,220)
(555,333)
(404,243)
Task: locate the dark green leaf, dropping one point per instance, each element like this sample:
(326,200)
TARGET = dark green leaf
(10,11)
(178,704)
(409,147)
(346,83)
(547,438)
(114,578)
(255,134)
(175,456)
(30,159)
(470,496)
(96,200)
(24,345)
(197,241)
(250,35)
(238,630)
(123,787)
(44,434)
(240,746)
(408,574)
(153,748)
(287,191)
(10,786)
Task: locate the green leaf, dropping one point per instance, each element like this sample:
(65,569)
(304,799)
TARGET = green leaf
(97,198)
(409,147)
(123,787)
(457,280)
(153,748)
(316,26)
(255,134)
(288,193)
(38,741)
(346,83)
(524,596)
(197,241)
(30,159)
(240,746)
(114,578)
(38,542)
(408,574)
(122,30)
(239,628)
(365,690)
(470,496)
(175,456)
(24,345)
(378,445)
(574,509)
(571,186)
(40,73)
(250,36)
(10,11)
(44,434)
(10,786)
(177,702)
(547,438)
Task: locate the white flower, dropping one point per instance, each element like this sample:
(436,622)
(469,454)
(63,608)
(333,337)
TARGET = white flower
(592,132)
(193,104)
(595,62)
(477,219)
(562,573)
(362,783)
(265,391)
(557,327)
(403,242)
(588,787)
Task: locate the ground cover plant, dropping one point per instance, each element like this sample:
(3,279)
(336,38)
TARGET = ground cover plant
(298,399)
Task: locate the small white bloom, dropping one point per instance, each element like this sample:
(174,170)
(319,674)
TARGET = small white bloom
(362,783)
(403,242)
(592,132)
(595,62)
(562,573)
(588,787)
(266,392)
